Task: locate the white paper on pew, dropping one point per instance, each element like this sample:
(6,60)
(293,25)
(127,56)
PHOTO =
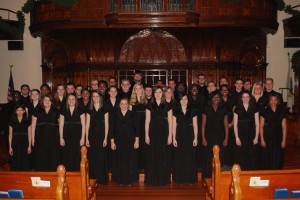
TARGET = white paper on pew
(35,181)
(256,182)
(44,183)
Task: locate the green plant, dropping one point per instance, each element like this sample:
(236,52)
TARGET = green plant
(294,61)
(26,8)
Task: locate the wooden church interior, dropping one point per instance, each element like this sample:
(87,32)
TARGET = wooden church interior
(165,39)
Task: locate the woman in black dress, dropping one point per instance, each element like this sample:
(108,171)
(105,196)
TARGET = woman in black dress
(96,138)
(138,103)
(20,140)
(214,131)
(34,101)
(185,140)
(273,134)
(246,130)
(112,106)
(45,136)
(85,102)
(72,133)
(196,103)
(124,142)
(258,97)
(158,137)
(59,100)
(229,103)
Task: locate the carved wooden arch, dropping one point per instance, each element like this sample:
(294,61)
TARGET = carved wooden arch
(153,47)
(251,56)
(54,54)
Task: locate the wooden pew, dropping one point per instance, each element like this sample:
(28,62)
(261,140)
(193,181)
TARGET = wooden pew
(240,188)
(21,180)
(78,183)
(221,185)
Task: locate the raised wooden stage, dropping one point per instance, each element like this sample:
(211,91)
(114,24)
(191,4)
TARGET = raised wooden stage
(139,191)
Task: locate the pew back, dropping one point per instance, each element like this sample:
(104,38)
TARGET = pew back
(22,181)
(289,179)
(79,185)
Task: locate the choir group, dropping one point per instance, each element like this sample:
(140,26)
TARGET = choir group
(161,130)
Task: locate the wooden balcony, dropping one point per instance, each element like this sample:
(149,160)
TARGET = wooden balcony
(8,16)
(91,14)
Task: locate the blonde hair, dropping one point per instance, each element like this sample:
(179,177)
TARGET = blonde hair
(253,89)
(134,98)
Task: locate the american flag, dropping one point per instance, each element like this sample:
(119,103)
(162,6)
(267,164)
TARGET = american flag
(11,87)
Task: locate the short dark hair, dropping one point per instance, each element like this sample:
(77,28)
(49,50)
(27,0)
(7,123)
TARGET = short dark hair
(247,80)
(79,85)
(25,85)
(71,83)
(45,85)
(238,79)
(138,72)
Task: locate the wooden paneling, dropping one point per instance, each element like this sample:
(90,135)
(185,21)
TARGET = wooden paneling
(217,52)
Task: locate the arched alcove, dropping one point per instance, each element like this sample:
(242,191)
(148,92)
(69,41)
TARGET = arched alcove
(152,47)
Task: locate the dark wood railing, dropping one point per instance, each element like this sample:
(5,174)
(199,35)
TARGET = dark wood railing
(121,6)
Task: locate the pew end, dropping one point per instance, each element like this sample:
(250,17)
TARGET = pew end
(88,186)
(211,183)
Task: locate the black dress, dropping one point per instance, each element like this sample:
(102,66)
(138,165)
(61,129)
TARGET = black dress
(46,148)
(111,109)
(84,108)
(184,165)
(97,153)
(20,159)
(214,135)
(139,112)
(272,155)
(157,167)
(197,105)
(72,133)
(246,154)
(229,150)
(125,157)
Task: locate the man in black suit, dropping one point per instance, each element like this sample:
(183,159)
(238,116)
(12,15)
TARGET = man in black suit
(269,83)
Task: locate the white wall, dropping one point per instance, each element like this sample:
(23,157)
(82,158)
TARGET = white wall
(26,63)
(277,55)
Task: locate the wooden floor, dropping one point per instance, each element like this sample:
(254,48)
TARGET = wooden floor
(139,191)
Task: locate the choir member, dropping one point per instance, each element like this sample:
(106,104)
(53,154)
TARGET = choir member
(148,92)
(124,142)
(59,100)
(125,90)
(85,102)
(196,103)
(70,88)
(45,89)
(96,138)
(25,97)
(78,91)
(214,131)
(34,101)
(72,133)
(202,87)
(45,136)
(111,105)
(246,130)
(138,103)
(273,134)
(258,95)
(180,90)
(158,137)
(229,103)
(185,140)
(20,140)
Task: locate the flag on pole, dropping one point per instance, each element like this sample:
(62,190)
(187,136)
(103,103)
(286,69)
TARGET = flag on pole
(11,86)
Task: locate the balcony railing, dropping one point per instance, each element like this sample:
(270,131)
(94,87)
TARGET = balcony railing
(151,5)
